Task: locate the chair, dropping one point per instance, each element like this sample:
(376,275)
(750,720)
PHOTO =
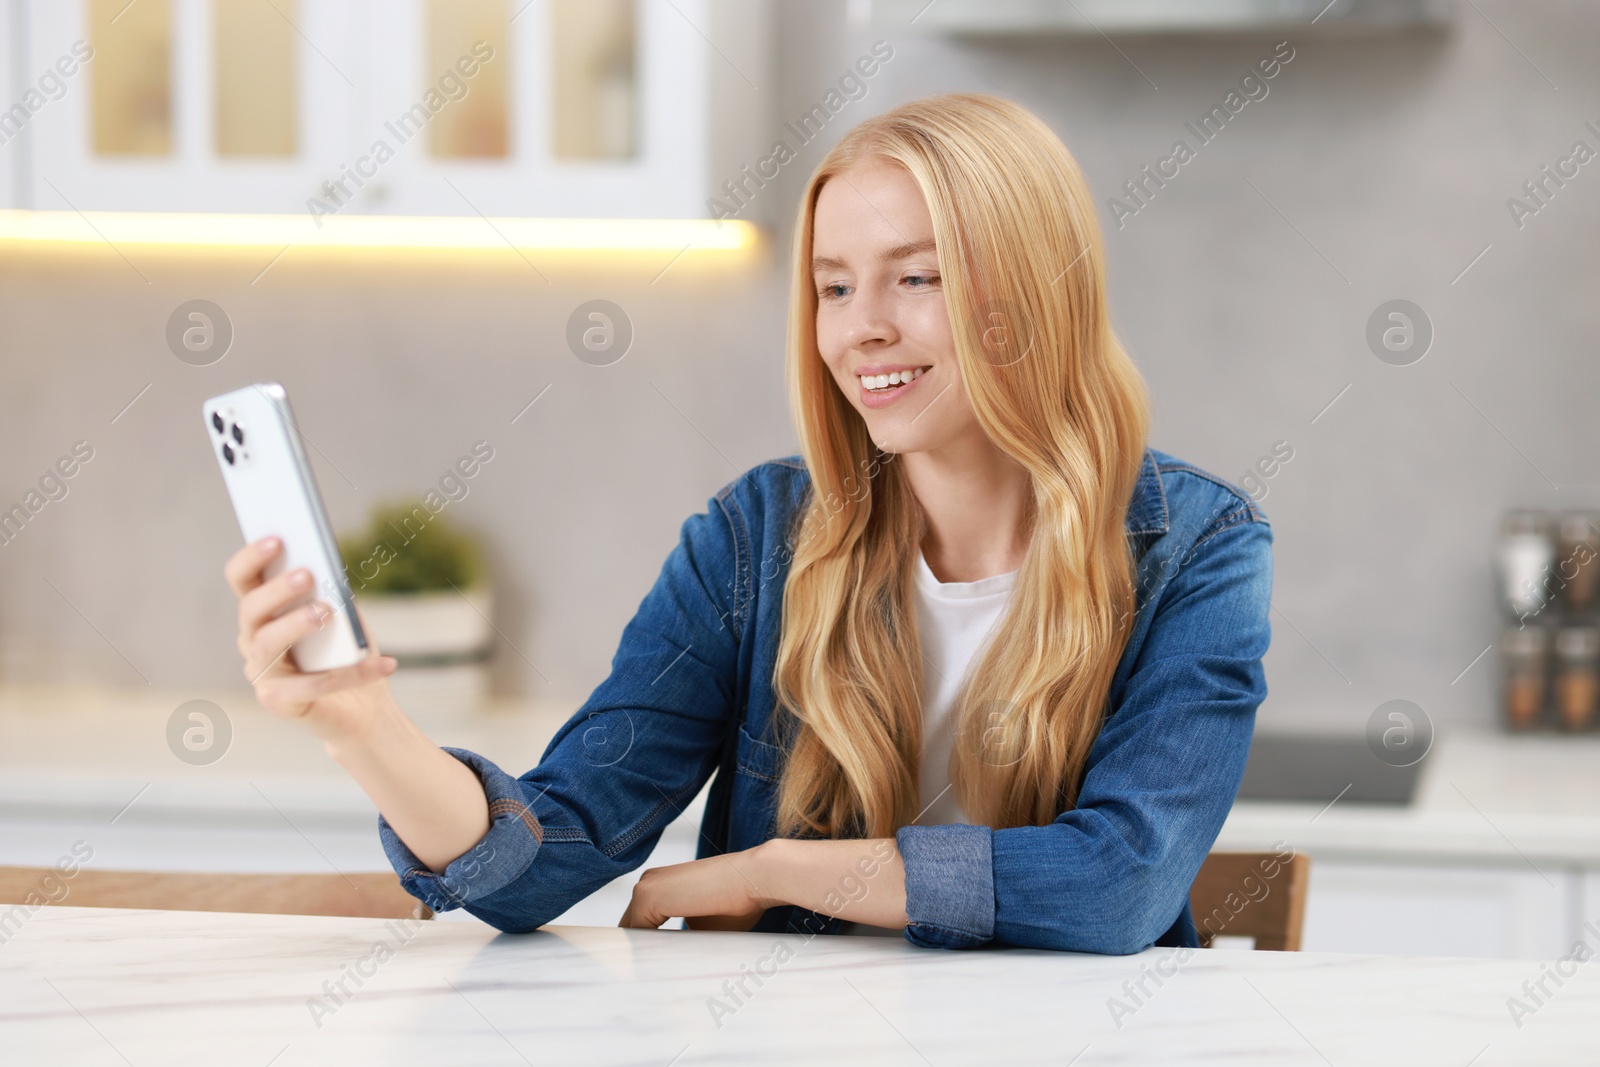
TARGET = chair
(1251,894)
(373,896)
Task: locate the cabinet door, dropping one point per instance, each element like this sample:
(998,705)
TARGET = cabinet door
(661,92)
(12,81)
(405,107)
(146,123)
(1418,910)
(1589,907)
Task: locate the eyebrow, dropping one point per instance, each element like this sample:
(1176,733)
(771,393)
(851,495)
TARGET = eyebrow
(889,255)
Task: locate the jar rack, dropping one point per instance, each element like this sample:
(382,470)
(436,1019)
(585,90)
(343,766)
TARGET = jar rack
(1548,568)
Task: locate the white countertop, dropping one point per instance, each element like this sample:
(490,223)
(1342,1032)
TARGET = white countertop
(93,750)
(1484,797)
(92,766)
(88,985)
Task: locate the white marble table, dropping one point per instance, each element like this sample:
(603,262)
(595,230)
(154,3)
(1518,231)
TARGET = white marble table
(104,986)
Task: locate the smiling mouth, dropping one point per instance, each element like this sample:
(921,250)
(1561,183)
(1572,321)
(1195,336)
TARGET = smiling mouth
(884,383)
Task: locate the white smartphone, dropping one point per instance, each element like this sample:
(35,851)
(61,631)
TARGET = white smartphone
(253,434)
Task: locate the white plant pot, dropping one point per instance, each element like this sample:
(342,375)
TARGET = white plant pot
(443,641)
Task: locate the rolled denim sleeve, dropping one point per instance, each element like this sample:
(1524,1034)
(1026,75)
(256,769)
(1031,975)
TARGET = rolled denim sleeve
(499,858)
(949,884)
(627,761)
(1112,874)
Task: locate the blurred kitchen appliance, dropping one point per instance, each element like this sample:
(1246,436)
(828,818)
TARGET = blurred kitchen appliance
(1315,767)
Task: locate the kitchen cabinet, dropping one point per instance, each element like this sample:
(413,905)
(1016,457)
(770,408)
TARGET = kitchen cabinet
(1498,854)
(1589,909)
(408,107)
(273,802)
(11,146)
(1440,910)
(272,837)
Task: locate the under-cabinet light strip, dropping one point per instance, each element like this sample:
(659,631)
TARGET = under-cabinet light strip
(179,230)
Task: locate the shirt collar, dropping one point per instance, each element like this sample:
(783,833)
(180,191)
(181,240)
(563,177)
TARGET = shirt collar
(1147,508)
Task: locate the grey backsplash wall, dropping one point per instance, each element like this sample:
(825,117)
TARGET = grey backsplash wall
(1380,168)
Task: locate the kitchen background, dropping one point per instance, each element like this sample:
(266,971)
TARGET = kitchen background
(1378,166)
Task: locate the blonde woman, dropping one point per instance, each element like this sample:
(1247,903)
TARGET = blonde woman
(976,666)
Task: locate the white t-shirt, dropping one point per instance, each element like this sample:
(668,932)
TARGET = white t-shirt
(955,619)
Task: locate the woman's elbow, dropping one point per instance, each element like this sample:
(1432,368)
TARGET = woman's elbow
(1128,920)
(516,913)
(1146,907)
(1102,937)
(508,923)
(1132,935)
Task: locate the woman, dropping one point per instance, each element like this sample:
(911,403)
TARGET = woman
(976,666)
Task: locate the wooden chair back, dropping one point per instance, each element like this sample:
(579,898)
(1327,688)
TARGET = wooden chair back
(373,896)
(1251,894)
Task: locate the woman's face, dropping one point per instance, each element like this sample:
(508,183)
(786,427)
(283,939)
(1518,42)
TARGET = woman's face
(882,326)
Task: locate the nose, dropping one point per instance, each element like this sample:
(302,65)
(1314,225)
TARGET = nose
(870,321)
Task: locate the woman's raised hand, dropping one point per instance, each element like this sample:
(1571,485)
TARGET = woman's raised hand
(339,704)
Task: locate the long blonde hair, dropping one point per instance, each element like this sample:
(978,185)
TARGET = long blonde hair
(1020,254)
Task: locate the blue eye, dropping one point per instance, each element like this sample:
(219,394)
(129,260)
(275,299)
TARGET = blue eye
(929,278)
(827,292)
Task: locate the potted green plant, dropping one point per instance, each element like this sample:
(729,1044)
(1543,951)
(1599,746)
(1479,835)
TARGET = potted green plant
(423,592)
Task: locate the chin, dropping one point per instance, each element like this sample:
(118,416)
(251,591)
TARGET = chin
(894,443)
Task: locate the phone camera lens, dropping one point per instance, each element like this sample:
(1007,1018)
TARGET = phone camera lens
(216,421)
(238,434)
(227,452)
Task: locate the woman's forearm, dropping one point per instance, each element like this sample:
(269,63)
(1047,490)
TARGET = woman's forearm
(434,802)
(862,880)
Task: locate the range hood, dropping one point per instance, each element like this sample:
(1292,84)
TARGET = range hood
(1017,18)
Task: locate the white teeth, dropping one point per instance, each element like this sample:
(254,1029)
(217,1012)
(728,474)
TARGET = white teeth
(884,381)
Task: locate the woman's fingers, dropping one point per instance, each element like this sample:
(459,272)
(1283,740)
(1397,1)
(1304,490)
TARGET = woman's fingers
(659,890)
(635,914)
(285,691)
(243,569)
(268,643)
(709,891)
(639,917)
(276,613)
(267,600)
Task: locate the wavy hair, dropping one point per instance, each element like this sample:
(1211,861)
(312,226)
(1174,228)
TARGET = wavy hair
(1020,254)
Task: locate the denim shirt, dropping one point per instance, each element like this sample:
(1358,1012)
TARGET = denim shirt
(690,695)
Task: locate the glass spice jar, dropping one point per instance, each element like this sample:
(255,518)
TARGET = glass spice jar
(1524,658)
(1577,688)
(1525,561)
(1577,565)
